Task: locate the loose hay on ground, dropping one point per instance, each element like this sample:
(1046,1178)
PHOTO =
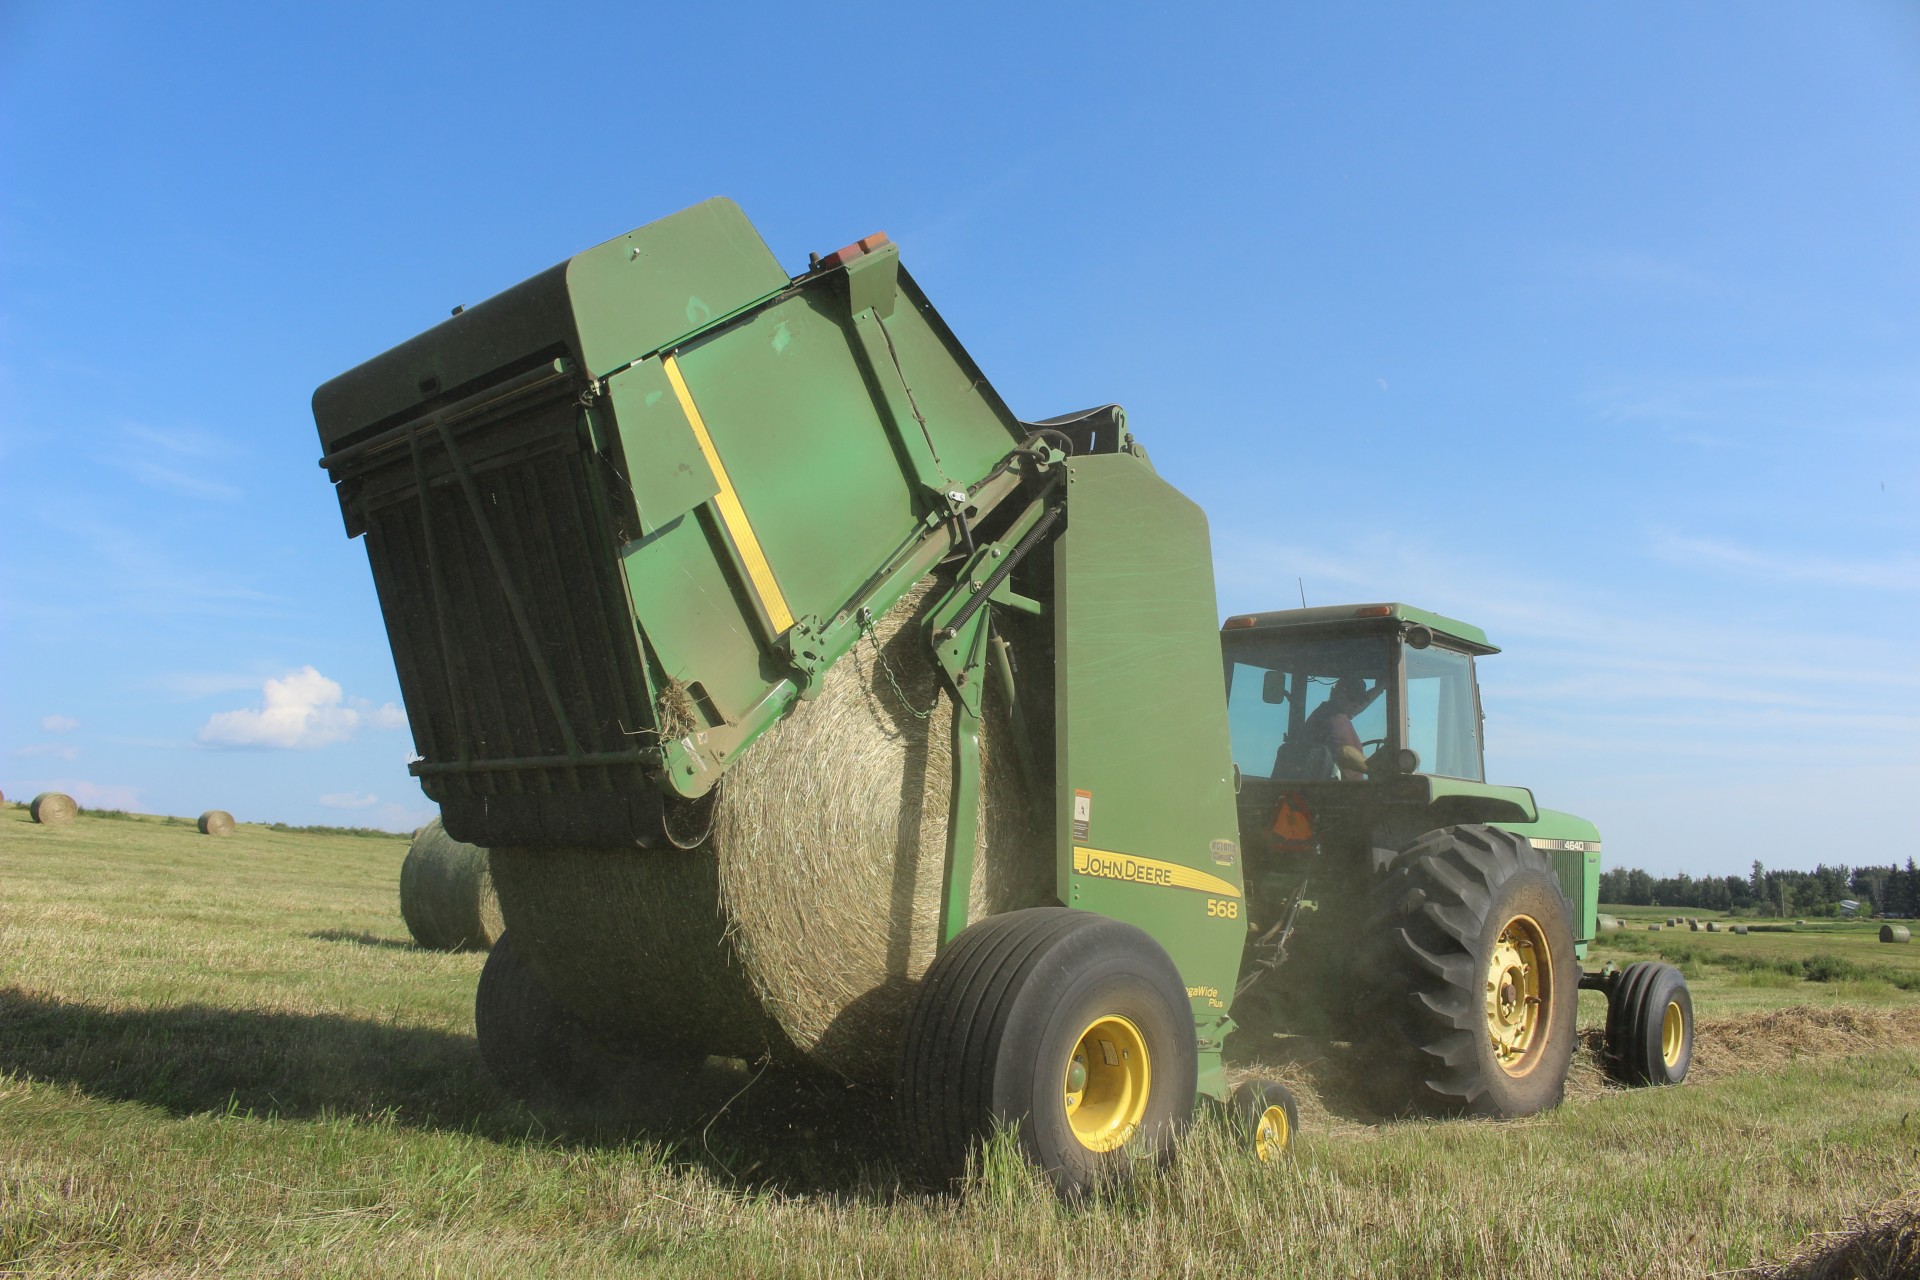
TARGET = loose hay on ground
(1881,1244)
(800,925)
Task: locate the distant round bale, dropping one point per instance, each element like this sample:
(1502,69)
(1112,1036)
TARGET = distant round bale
(1606,924)
(1693,925)
(1740,929)
(446,893)
(1653,928)
(1895,933)
(53,809)
(1672,921)
(216,822)
(1713,926)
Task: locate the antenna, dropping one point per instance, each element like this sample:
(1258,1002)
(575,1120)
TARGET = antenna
(1303,591)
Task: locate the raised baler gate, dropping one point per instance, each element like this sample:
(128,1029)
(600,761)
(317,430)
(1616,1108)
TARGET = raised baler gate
(623,515)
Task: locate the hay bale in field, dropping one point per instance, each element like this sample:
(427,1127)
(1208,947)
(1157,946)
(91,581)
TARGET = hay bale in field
(1606,924)
(1740,929)
(1713,926)
(1895,933)
(1653,928)
(800,924)
(216,822)
(1693,926)
(53,809)
(446,893)
(1672,921)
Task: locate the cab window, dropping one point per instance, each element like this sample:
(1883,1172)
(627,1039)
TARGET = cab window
(1443,716)
(1274,685)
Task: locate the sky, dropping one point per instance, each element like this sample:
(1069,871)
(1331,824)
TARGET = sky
(1595,325)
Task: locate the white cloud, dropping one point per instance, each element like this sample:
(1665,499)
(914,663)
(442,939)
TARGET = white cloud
(300,710)
(59,724)
(92,795)
(349,800)
(59,750)
(1899,574)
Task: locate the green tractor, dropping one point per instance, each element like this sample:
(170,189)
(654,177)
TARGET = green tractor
(1398,901)
(651,528)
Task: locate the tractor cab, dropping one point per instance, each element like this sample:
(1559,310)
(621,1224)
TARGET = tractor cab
(1358,722)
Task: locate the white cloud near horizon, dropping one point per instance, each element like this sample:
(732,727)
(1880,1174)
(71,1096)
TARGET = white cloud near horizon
(349,800)
(299,711)
(1900,574)
(59,724)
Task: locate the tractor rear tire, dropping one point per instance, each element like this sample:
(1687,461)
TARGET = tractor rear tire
(1649,1025)
(532,1046)
(1471,963)
(1266,1115)
(1071,1028)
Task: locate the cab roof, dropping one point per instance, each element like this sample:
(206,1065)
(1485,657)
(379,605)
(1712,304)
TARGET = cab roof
(1362,617)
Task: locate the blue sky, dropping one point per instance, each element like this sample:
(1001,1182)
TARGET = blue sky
(1596,325)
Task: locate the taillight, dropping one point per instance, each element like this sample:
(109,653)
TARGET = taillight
(865,245)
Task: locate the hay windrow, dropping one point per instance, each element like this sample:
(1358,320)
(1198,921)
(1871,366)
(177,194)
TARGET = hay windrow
(802,923)
(1880,1244)
(216,822)
(53,809)
(446,893)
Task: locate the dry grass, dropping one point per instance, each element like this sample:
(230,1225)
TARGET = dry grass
(223,1058)
(1881,1244)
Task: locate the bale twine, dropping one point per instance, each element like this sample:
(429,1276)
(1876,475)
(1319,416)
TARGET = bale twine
(798,927)
(1895,933)
(216,822)
(53,809)
(446,893)
(1740,929)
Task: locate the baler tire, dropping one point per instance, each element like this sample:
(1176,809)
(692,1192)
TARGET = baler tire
(1005,1017)
(1457,927)
(531,1046)
(1266,1115)
(1649,1035)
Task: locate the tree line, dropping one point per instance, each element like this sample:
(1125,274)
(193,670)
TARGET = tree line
(1890,890)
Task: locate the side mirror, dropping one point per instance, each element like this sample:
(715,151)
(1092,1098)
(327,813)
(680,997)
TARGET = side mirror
(1418,637)
(1273,688)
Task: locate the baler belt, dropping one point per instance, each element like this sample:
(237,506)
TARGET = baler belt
(732,514)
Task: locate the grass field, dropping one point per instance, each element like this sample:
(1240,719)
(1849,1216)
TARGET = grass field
(223,1057)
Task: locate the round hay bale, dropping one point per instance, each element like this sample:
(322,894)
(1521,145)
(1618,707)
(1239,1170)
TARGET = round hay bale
(1606,924)
(1713,926)
(1895,933)
(1672,921)
(1693,926)
(53,809)
(216,822)
(446,893)
(800,925)
(1653,928)
(1740,929)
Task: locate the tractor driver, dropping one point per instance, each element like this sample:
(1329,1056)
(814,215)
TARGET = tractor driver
(1327,738)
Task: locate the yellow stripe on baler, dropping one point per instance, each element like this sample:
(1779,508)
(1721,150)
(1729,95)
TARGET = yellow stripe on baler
(732,514)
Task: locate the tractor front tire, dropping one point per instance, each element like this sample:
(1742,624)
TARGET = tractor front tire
(1471,964)
(1070,1028)
(1649,1025)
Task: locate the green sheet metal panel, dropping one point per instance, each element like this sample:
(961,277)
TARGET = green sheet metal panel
(690,610)
(636,295)
(665,467)
(1147,829)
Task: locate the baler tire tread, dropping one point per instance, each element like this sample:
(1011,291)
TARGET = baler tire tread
(1633,1051)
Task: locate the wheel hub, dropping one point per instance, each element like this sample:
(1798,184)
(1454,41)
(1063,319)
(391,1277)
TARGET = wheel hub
(1519,981)
(1107,1082)
(1271,1137)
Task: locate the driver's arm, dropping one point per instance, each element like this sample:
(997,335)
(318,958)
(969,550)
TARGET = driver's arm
(1351,759)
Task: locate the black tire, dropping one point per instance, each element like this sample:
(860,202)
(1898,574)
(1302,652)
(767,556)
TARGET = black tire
(1649,1025)
(1265,1114)
(1458,928)
(1000,1021)
(532,1046)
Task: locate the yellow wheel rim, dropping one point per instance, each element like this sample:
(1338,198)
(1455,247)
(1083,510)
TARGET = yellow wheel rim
(1519,987)
(1108,1080)
(1673,1033)
(1273,1134)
